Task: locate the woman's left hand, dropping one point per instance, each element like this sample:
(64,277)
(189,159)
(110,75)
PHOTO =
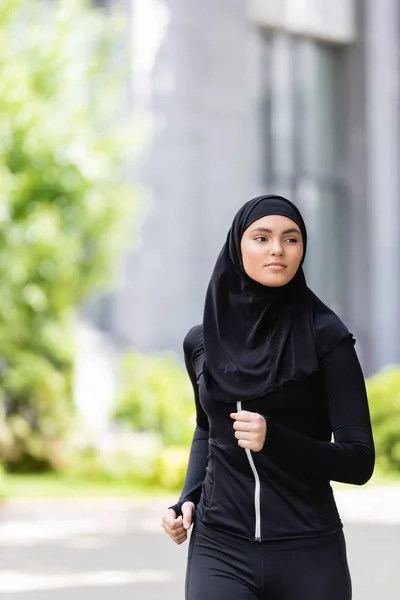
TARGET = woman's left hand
(250,429)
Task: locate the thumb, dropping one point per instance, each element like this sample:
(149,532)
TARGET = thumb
(187,512)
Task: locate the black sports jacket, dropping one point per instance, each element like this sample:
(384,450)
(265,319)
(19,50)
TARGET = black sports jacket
(284,490)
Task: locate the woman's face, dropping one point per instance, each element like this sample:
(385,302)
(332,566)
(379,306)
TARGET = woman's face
(270,240)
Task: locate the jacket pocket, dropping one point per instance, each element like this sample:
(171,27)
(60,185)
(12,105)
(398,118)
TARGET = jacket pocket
(208,483)
(229,497)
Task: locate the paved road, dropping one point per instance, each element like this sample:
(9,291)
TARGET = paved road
(101,550)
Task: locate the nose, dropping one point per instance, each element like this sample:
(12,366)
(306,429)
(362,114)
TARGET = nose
(276,248)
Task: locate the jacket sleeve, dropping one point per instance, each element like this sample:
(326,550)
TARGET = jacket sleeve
(198,456)
(350,457)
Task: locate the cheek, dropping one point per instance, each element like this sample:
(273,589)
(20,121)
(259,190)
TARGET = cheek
(295,259)
(252,258)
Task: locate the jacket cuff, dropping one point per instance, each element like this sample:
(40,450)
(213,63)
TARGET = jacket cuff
(178,506)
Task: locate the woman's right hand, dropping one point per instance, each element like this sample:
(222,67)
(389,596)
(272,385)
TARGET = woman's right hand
(177,527)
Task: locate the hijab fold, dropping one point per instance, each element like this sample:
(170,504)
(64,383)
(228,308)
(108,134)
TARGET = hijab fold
(257,338)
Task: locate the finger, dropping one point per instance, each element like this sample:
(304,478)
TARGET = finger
(242,425)
(174,526)
(243,415)
(178,538)
(187,511)
(176,523)
(169,516)
(173,532)
(178,528)
(178,534)
(181,538)
(246,444)
(166,528)
(244,435)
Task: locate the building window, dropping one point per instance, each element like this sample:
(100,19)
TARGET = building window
(304,149)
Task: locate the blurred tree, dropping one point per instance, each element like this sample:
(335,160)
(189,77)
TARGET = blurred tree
(65,210)
(156,396)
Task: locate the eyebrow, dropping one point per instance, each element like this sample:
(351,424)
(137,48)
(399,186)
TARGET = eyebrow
(263,229)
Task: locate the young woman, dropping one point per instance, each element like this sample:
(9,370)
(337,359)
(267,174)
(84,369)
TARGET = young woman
(275,374)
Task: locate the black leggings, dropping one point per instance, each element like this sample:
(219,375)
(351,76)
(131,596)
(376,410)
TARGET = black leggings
(222,566)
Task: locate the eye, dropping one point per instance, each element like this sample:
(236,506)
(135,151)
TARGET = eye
(260,238)
(292,240)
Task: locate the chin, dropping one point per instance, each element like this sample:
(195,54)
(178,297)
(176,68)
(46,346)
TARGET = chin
(274,282)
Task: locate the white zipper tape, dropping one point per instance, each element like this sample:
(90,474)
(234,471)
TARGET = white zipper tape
(257,491)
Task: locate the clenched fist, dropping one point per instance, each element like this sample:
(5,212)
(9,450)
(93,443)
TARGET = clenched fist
(177,527)
(250,429)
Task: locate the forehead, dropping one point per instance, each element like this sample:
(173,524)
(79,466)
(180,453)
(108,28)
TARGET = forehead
(274,222)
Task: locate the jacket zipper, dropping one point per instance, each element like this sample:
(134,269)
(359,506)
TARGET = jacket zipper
(257,491)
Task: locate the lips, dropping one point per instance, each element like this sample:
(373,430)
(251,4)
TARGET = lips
(280,265)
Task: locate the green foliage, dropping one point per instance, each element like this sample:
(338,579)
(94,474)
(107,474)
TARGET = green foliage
(156,398)
(156,395)
(171,467)
(384,401)
(128,458)
(64,208)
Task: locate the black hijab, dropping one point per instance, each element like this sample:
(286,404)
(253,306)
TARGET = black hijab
(256,338)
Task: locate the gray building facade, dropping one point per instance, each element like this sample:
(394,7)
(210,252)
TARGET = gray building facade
(296,97)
